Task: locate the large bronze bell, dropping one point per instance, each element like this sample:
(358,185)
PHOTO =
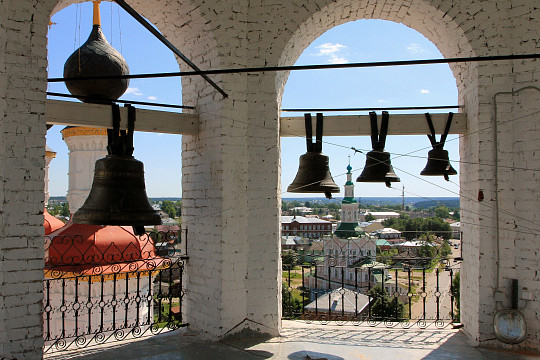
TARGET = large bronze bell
(378,166)
(313,174)
(438,163)
(118,194)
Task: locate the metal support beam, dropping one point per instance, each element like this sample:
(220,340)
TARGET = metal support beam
(166,42)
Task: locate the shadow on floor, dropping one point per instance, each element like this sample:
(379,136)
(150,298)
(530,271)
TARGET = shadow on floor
(300,341)
(458,347)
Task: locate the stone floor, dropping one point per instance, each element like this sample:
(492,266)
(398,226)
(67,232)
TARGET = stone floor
(301,341)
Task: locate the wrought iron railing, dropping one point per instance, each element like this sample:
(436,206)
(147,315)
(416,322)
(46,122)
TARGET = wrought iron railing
(98,292)
(357,281)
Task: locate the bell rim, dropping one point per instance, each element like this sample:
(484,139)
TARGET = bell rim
(392,179)
(451,171)
(312,191)
(90,217)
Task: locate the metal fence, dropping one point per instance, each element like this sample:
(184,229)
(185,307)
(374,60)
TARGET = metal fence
(401,283)
(98,292)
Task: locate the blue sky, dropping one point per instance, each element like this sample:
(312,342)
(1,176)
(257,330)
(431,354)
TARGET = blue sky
(358,41)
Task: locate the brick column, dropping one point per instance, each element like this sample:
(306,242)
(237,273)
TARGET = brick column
(23,64)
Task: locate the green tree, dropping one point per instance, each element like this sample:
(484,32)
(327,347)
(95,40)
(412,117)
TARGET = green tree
(291,306)
(442,212)
(60,209)
(445,250)
(369,217)
(384,306)
(456,293)
(168,207)
(307,204)
(414,228)
(289,258)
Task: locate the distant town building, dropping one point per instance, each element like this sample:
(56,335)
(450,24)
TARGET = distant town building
(456,230)
(301,210)
(387,233)
(305,227)
(379,215)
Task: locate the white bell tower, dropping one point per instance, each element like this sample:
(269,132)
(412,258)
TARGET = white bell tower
(86,145)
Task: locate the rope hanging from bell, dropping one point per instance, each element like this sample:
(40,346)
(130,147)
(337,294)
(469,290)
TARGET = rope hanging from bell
(313,174)
(378,166)
(438,163)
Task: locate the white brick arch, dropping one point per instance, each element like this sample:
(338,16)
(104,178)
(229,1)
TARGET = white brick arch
(431,18)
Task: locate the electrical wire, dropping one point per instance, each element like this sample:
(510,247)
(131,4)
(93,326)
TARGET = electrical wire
(377,108)
(535,231)
(339,145)
(392,153)
(301,67)
(461,195)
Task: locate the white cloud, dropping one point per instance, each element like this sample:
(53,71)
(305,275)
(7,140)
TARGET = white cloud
(382,101)
(332,52)
(134,91)
(424,91)
(415,48)
(329,48)
(152,98)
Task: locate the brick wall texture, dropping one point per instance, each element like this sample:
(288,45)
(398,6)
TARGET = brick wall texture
(231,170)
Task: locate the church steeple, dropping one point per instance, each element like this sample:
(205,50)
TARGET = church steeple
(349,185)
(349,208)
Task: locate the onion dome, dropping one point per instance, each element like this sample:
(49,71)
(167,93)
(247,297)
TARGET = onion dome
(96,57)
(96,249)
(50,223)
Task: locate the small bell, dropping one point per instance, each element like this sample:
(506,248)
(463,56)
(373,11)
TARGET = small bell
(313,174)
(118,194)
(378,166)
(438,163)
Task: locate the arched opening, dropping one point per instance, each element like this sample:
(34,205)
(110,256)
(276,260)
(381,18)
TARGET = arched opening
(153,149)
(440,28)
(361,255)
(160,153)
(377,88)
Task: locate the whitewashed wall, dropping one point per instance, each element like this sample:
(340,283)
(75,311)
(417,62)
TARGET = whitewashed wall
(231,169)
